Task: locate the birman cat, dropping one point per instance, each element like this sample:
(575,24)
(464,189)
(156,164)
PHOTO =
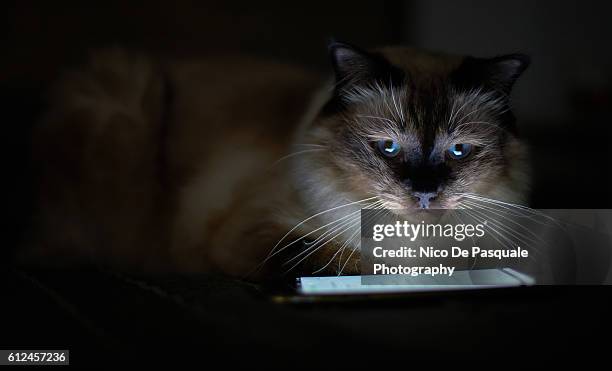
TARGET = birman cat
(255,168)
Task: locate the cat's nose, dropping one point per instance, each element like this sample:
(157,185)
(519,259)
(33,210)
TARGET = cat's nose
(424,198)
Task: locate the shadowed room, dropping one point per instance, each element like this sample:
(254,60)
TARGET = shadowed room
(211,120)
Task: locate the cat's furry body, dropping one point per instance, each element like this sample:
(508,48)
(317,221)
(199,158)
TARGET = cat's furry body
(175,165)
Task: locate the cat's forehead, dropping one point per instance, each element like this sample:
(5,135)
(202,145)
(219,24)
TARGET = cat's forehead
(418,96)
(431,118)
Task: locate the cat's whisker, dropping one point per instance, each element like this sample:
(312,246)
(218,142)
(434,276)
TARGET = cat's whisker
(383,210)
(340,251)
(309,145)
(513,244)
(516,210)
(384,94)
(496,102)
(450,117)
(400,114)
(511,207)
(508,206)
(295,154)
(496,212)
(347,242)
(510,243)
(493,235)
(341,248)
(339,220)
(477,122)
(491,101)
(460,220)
(487,210)
(469,114)
(467,101)
(346,262)
(322,244)
(378,118)
(477,196)
(332,230)
(312,217)
(513,232)
(322,237)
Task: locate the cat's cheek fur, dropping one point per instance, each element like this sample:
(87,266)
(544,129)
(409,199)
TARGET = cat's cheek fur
(512,183)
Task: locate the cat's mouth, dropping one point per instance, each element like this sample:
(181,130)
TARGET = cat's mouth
(424,202)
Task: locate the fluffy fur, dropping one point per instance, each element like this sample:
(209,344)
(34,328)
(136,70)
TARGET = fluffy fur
(247,168)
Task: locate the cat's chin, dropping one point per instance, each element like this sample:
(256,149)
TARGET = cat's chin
(418,215)
(410,209)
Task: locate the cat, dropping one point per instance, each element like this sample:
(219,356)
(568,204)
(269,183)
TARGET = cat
(254,168)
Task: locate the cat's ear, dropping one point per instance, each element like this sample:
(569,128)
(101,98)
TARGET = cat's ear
(354,66)
(502,72)
(499,73)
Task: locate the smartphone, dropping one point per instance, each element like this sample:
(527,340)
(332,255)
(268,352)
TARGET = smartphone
(309,289)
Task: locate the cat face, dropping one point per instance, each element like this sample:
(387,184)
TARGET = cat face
(418,130)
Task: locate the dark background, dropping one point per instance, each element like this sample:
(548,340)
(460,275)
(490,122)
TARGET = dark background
(563,102)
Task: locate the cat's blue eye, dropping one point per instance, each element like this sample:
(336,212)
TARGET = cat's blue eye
(459,151)
(388,147)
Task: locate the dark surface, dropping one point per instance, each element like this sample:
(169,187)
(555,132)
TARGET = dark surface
(106,318)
